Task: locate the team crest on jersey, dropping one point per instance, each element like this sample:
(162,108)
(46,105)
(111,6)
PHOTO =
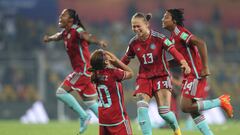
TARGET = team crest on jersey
(153,46)
(69,35)
(138,49)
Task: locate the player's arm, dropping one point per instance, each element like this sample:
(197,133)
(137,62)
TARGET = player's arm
(119,64)
(177,55)
(202,47)
(125,59)
(128,55)
(93,39)
(56,37)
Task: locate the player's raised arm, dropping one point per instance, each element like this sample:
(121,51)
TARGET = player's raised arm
(202,48)
(93,39)
(56,37)
(119,64)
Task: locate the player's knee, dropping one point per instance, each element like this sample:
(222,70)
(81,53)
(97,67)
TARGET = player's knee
(60,91)
(142,97)
(142,103)
(90,102)
(185,109)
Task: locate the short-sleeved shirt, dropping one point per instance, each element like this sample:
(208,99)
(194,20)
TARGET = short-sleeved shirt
(110,95)
(151,54)
(180,38)
(77,49)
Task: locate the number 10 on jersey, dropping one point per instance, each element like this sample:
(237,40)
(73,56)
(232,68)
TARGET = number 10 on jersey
(104,94)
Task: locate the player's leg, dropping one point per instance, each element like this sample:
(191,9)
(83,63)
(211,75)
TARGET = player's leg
(189,105)
(194,88)
(103,130)
(121,129)
(143,94)
(201,123)
(142,113)
(89,97)
(163,99)
(76,82)
(223,102)
(63,95)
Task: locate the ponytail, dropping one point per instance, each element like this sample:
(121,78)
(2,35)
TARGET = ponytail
(94,77)
(147,17)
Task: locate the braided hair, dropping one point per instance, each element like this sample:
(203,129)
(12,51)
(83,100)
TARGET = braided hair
(76,20)
(177,15)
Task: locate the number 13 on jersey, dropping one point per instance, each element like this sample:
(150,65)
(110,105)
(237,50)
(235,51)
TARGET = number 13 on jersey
(148,58)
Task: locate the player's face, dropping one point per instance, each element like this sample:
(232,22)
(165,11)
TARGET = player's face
(140,27)
(167,20)
(64,18)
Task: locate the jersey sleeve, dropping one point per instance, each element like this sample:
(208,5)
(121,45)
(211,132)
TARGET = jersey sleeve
(167,44)
(119,74)
(185,36)
(129,54)
(80,30)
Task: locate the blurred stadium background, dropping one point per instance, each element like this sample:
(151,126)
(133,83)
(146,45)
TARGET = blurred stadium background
(31,71)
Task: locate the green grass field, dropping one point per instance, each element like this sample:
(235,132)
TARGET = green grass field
(71,128)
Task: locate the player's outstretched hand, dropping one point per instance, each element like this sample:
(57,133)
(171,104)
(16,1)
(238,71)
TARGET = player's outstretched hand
(205,72)
(46,39)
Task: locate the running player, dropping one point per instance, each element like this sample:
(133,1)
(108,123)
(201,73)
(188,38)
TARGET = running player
(194,51)
(76,41)
(153,79)
(108,72)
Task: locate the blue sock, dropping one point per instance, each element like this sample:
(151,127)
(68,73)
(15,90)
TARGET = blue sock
(169,117)
(143,118)
(208,104)
(189,124)
(93,105)
(202,125)
(71,102)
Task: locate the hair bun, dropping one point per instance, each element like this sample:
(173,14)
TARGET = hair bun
(148,16)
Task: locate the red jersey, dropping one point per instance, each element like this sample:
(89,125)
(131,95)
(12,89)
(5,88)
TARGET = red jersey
(77,49)
(181,37)
(151,54)
(110,95)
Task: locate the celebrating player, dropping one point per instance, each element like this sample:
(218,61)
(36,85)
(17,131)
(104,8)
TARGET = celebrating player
(153,79)
(76,41)
(194,51)
(108,72)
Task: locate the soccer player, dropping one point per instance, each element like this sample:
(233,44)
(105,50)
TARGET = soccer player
(76,41)
(108,72)
(194,51)
(153,79)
